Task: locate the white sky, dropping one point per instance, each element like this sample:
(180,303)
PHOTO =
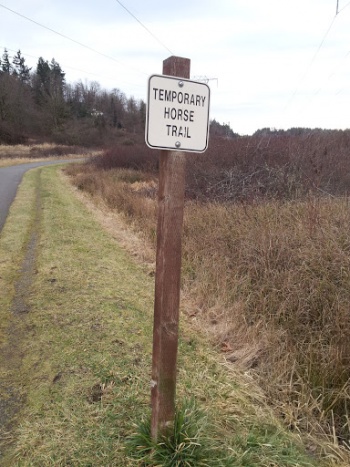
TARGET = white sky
(268,57)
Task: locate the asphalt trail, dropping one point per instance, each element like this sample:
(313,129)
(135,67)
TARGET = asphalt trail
(11,177)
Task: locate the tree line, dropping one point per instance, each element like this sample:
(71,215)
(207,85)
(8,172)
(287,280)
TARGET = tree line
(39,104)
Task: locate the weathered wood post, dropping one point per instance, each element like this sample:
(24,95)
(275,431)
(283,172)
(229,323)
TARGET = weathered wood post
(168,272)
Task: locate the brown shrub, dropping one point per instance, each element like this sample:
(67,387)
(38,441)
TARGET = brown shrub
(254,168)
(136,157)
(278,167)
(54,151)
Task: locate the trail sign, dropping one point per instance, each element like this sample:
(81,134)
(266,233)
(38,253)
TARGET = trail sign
(177,114)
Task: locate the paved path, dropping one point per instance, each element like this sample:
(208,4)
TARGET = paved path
(10,178)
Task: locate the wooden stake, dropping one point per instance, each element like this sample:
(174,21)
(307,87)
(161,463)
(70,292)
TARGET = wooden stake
(168,272)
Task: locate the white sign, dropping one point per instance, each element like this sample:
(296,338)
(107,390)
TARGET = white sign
(177,114)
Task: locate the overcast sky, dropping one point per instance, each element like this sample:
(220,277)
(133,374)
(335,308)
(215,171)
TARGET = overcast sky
(276,63)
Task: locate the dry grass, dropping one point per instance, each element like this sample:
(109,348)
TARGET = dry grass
(132,192)
(22,151)
(21,154)
(85,353)
(269,283)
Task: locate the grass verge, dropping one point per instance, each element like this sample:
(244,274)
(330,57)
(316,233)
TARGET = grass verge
(22,154)
(84,355)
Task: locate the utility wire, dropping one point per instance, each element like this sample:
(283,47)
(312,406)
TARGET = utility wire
(37,58)
(317,52)
(144,27)
(333,72)
(72,40)
(341,9)
(72,68)
(311,63)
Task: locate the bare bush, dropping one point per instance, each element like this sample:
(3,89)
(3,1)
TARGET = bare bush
(254,168)
(128,156)
(279,167)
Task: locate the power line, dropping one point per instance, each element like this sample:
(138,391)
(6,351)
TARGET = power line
(37,58)
(72,40)
(332,73)
(311,62)
(315,55)
(339,11)
(317,52)
(72,68)
(145,27)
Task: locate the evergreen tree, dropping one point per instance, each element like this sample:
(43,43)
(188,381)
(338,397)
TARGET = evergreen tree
(57,79)
(48,87)
(142,110)
(42,81)
(6,66)
(221,129)
(20,68)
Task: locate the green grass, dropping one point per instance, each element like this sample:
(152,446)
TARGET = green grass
(186,444)
(85,351)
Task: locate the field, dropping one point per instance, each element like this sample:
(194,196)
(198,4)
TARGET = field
(264,338)
(265,260)
(77,364)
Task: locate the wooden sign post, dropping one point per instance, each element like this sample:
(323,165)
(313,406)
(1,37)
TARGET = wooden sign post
(177,121)
(168,271)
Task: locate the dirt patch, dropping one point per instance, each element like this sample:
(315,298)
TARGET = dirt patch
(11,395)
(20,302)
